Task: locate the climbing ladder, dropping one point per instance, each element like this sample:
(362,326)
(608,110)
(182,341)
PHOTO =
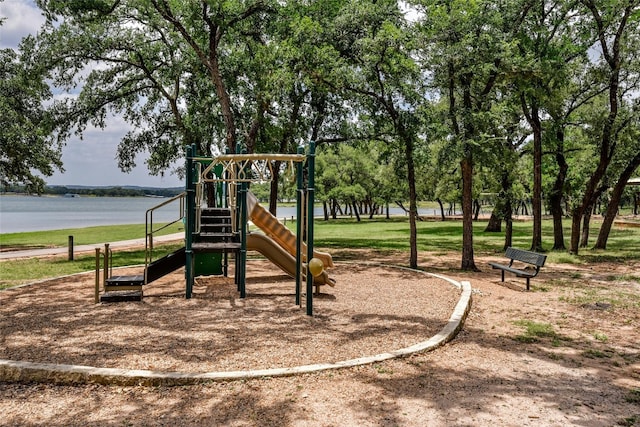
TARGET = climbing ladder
(216,234)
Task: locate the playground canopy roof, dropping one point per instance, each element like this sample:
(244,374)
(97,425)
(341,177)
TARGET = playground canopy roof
(633,181)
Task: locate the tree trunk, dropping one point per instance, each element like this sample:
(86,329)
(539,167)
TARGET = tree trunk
(441,208)
(374,209)
(614,202)
(325,210)
(468,262)
(495,222)
(609,217)
(558,232)
(610,44)
(503,208)
(532,114)
(354,206)
(273,193)
(576,218)
(413,201)
(476,209)
(223,98)
(522,208)
(557,194)
(536,240)
(586,220)
(508,217)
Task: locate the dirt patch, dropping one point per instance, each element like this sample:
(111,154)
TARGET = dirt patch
(566,353)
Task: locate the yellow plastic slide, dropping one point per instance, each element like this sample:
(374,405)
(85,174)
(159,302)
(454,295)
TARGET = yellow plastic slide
(273,228)
(280,257)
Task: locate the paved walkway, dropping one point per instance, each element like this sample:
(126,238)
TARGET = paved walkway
(34,253)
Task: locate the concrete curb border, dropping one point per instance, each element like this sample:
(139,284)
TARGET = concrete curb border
(19,371)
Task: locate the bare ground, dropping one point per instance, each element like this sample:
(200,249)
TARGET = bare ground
(578,365)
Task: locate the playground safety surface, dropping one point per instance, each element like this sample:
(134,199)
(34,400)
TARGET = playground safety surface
(373,310)
(488,375)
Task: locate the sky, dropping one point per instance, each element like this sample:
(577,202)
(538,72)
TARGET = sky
(92,160)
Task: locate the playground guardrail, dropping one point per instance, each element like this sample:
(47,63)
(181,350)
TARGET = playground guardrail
(150,231)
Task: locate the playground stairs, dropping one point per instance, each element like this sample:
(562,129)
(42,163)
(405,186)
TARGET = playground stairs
(129,288)
(216,236)
(216,232)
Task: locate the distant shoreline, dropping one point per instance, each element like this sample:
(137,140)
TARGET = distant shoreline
(112,191)
(12,194)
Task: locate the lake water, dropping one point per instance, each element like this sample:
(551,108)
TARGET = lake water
(32,213)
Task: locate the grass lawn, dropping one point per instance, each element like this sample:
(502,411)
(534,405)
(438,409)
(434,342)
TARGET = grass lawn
(81,236)
(437,236)
(378,234)
(20,271)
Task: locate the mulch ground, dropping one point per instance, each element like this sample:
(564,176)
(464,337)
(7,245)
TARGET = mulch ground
(578,363)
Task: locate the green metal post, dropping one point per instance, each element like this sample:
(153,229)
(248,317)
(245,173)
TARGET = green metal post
(190,223)
(299,202)
(236,217)
(242,202)
(310,202)
(226,184)
(106,266)
(225,204)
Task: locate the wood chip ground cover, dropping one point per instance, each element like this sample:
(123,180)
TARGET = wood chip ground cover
(585,372)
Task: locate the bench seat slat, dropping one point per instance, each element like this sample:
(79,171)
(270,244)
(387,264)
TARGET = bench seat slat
(517,272)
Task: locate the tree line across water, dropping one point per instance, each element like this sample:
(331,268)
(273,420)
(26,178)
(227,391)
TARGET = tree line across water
(524,99)
(61,190)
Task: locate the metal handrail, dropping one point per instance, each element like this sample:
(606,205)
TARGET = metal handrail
(198,204)
(149,230)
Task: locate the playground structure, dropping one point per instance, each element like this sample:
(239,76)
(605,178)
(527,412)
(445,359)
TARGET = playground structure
(220,228)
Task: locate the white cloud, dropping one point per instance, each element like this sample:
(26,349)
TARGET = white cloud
(21,18)
(92,160)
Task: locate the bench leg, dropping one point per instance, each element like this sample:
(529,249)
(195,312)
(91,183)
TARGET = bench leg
(527,283)
(502,271)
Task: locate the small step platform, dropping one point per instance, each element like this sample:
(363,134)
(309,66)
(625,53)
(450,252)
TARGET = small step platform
(121,296)
(123,288)
(137,280)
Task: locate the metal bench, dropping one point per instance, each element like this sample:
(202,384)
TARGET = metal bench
(523,257)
